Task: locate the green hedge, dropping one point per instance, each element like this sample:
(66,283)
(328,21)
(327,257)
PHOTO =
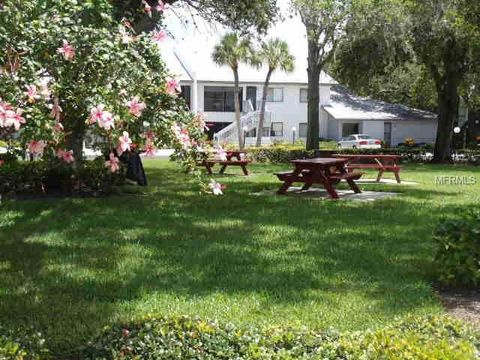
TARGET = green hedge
(457,255)
(285,153)
(192,338)
(36,177)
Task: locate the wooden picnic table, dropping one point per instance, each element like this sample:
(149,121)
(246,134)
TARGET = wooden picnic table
(382,163)
(325,171)
(234,158)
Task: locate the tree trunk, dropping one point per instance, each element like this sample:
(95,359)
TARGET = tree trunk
(262,110)
(237,109)
(448,104)
(75,142)
(314,71)
(471,138)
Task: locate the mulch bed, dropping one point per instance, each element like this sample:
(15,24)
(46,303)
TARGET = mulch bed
(463,304)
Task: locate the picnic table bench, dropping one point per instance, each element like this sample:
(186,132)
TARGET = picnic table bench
(234,158)
(325,171)
(382,163)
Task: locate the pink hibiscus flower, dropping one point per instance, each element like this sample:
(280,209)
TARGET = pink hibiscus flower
(31,93)
(4,107)
(66,156)
(149,149)
(58,127)
(216,187)
(161,6)
(173,87)
(147,8)
(56,110)
(107,121)
(113,163)
(159,36)
(96,114)
(45,91)
(135,106)
(222,154)
(67,50)
(124,144)
(36,147)
(14,119)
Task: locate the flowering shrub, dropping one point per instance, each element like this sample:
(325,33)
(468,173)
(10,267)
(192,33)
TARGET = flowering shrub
(67,68)
(17,345)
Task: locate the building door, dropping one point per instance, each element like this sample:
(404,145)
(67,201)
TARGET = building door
(252,95)
(387,133)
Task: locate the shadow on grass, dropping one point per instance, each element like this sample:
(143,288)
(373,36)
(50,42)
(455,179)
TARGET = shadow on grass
(68,265)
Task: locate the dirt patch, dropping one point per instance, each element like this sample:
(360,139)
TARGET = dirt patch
(463,304)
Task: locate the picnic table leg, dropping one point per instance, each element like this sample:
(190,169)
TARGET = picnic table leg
(308,185)
(397,176)
(354,186)
(380,174)
(209,168)
(245,171)
(222,170)
(330,189)
(283,189)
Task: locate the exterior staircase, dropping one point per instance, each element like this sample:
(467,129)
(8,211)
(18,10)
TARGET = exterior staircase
(249,121)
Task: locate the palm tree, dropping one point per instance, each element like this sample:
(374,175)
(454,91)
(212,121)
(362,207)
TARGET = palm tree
(231,51)
(276,55)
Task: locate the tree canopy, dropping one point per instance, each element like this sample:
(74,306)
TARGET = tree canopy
(435,40)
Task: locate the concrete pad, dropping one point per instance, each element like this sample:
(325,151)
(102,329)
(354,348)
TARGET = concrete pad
(320,193)
(384,182)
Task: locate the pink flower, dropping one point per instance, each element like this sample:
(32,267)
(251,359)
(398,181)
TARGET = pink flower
(2,162)
(67,50)
(36,147)
(113,163)
(149,149)
(58,127)
(107,121)
(45,91)
(4,107)
(173,87)
(31,93)
(159,36)
(216,187)
(126,37)
(135,107)
(201,122)
(66,156)
(96,114)
(56,110)
(222,154)
(124,144)
(147,8)
(161,6)
(14,119)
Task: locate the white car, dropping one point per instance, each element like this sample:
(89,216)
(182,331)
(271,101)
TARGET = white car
(359,141)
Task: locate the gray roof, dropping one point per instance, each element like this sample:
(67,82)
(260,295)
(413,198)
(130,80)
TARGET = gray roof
(347,106)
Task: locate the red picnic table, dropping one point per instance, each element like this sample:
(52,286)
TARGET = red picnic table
(234,158)
(325,171)
(382,163)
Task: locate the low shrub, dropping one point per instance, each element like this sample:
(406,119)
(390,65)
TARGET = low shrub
(286,153)
(457,256)
(193,338)
(38,177)
(20,345)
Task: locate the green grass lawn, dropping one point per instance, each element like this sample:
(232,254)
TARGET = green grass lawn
(69,267)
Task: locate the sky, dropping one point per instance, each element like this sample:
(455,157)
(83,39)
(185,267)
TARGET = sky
(201,39)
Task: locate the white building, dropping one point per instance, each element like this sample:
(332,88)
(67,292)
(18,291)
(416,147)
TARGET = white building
(209,89)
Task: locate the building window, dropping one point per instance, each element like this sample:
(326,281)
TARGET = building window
(303,95)
(275,95)
(277,129)
(302,130)
(220,99)
(350,129)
